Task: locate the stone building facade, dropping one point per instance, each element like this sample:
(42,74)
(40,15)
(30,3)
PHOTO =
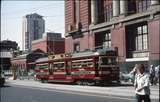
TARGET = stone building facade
(133,26)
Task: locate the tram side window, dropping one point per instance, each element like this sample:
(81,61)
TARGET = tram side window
(84,63)
(90,64)
(87,63)
(59,66)
(76,65)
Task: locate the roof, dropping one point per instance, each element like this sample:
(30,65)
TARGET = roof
(37,51)
(44,59)
(22,56)
(92,53)
(83,54)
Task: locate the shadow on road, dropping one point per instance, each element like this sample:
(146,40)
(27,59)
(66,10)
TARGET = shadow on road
(115,85)
(5,86)
(99,85)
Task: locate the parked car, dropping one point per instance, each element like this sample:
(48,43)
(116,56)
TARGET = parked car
(127,77)
(2,80)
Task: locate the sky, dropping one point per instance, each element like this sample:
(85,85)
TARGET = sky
(12,13)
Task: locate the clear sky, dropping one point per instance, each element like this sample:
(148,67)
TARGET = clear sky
(12,13)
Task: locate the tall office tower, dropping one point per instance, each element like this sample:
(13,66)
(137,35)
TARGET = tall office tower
(33,29)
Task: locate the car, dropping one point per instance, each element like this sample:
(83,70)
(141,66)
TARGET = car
(2,81)
(127,77)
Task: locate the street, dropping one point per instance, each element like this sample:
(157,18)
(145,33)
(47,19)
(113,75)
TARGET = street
(31,91)
(23,94)
(80,51)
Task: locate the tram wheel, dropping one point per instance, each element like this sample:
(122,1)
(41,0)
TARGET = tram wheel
(79,82)
(44,80)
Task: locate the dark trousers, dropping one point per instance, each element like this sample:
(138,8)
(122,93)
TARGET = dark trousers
(140,98)
(152,79)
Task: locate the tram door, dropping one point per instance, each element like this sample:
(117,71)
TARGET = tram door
(51,69)
(59,70)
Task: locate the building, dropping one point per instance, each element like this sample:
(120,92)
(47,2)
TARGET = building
(133,26)
(50,43)
(33,28)
(22,64)
(7,47)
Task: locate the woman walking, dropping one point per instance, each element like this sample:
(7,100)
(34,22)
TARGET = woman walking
(141,84)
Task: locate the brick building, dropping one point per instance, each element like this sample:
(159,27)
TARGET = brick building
(131,25)
(50,43)
(22,62)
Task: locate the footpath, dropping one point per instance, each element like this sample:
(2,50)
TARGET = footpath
(125,90)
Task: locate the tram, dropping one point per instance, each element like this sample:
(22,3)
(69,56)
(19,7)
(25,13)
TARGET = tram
(83,68)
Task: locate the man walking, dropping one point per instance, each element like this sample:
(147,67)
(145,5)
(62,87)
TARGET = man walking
(157,74)
(152,74)
(141,85)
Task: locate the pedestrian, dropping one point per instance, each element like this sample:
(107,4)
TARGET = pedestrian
(141,85)
(152,74)
(146,68)
(157,74)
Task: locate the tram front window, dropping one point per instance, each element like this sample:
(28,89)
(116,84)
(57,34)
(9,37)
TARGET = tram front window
(59,65)
(107,61)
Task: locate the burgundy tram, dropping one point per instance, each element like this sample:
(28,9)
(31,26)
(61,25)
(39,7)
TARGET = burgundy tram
(41,70)
(83,68)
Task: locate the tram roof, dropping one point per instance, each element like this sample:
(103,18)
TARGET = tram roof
(44,59)
(92,53)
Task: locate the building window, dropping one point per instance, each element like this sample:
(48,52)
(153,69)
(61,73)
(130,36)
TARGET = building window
(36,29)
(100,11)
(109,12)
(143,5)
(142,38)
(76,47)
(131,6)
(74,11)
(107,41)
(137,40)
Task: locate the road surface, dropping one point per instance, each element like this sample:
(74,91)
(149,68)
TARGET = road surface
(26,94)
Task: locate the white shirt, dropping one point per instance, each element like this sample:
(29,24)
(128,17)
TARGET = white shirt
(157,71)
(142,80)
